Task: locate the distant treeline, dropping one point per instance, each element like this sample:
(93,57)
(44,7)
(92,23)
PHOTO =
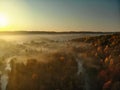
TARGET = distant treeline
(53,32)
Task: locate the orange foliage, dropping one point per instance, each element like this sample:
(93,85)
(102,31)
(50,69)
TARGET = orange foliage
(107,85)
(34,76)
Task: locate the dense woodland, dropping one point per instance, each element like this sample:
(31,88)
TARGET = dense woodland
(60,70)
(107,51)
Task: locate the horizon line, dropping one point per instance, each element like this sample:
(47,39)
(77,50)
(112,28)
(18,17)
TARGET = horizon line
(60,31)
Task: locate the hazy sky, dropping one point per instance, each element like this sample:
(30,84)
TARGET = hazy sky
(61,15)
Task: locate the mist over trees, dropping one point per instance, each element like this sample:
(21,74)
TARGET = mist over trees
(88,63)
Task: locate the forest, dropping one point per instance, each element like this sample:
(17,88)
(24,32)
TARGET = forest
(88,63)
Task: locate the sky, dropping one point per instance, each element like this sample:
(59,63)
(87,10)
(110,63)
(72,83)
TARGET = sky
(61,15)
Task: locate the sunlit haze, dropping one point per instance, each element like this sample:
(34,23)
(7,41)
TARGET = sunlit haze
(3,21)
(59,15)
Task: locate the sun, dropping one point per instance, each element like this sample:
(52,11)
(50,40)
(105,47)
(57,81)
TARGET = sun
(3,21)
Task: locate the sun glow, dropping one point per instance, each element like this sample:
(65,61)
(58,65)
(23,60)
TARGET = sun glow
(3,21)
